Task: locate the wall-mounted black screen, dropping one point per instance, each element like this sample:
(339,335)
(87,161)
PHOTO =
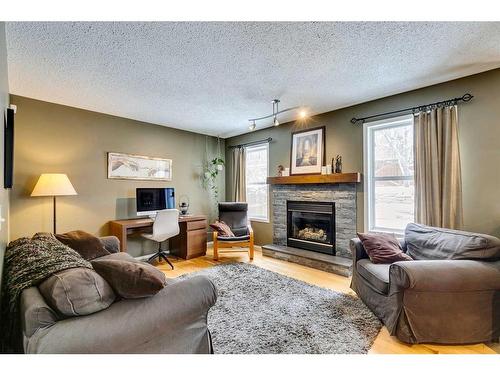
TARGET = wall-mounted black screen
(8,144)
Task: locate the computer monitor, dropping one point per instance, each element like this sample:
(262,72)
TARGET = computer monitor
(151,200)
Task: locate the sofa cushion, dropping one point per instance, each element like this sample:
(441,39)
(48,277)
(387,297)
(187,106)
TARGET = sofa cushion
(376,274)
(77,291)
(85,244)
(432,243)
(382,247)
(130,278)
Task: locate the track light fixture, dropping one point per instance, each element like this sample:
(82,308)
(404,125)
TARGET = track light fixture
(274,115)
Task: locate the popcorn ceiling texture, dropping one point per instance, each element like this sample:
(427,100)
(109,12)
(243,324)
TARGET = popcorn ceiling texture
(211,77)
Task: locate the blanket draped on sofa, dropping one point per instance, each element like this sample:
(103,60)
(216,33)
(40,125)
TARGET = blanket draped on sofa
(27,263)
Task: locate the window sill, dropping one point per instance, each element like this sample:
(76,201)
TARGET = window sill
(397,233)
(259,220)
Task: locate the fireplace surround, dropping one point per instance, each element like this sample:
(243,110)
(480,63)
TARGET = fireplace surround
(341,196)
(311,226)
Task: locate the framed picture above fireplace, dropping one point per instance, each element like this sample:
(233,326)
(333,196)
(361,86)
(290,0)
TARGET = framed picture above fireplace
(307,153)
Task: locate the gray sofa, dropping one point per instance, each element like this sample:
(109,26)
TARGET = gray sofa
(172,321)
(449,295)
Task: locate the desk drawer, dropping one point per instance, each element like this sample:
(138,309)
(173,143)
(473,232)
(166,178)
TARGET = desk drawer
(198,224)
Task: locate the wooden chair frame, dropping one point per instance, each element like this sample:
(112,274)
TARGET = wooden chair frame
(230,244)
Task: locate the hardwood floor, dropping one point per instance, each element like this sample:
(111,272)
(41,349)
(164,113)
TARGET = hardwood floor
(384,343)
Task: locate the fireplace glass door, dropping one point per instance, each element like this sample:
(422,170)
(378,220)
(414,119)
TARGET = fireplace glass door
(311,226)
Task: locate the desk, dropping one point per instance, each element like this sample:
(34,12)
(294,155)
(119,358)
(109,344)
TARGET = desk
(191,242)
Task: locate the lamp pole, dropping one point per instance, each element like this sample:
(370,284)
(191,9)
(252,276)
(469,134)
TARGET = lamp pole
(54,204)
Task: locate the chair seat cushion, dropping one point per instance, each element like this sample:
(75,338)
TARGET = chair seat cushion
(234,239)
(376,274)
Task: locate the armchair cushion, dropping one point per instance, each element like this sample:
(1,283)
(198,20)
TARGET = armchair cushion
(376,274)
(430,243)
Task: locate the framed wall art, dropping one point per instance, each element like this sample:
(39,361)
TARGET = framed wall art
(307,153)
(136,167)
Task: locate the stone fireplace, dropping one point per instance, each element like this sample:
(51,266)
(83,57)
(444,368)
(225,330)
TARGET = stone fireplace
(314,222)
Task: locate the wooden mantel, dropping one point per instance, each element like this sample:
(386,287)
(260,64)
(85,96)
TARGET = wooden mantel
(335,178)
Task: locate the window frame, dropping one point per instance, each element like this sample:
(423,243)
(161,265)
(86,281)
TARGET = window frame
(368,169)
(266,147)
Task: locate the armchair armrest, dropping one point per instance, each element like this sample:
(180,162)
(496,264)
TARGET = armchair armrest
(445,275)
(177,311)
(111,243)
(357,250)
(250,230)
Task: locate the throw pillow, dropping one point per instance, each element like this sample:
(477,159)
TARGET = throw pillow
(222,228)
(85,244)
(382,247)
(77,291)
(130,279)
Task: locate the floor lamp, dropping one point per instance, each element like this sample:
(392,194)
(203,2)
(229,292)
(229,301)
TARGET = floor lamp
(53,185)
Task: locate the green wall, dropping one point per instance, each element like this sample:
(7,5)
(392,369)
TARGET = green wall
(479,134)
(4,102)
(55,138)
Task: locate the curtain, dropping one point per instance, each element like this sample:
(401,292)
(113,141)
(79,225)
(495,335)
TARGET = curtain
(238,177)
(438,181)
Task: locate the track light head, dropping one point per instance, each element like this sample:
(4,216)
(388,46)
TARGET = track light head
(252,126)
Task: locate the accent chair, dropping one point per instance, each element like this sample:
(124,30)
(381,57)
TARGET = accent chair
(235,215)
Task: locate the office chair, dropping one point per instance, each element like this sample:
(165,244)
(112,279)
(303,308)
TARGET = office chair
(165,226)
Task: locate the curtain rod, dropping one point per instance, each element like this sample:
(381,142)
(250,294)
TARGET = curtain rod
(463,98)
(267,140)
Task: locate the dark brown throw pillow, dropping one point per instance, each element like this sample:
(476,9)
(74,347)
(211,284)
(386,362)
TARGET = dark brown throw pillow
(223,229)
(382,247)
(130,279)
(85,244)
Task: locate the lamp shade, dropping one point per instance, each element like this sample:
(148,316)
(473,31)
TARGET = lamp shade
(52,184)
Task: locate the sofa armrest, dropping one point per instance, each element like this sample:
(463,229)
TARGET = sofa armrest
(445,275)
(111,243)
(179,310)
(357,250)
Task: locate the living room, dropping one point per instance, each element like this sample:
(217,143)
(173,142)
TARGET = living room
(250,187)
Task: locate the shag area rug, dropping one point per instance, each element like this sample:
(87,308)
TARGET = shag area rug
(260,311)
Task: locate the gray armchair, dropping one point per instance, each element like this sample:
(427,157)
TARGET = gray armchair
(172,321)
(234,214)
(445,301)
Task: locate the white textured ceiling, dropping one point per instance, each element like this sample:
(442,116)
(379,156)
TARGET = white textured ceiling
(211,77)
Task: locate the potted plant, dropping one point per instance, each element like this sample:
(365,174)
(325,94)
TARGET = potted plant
(210,173)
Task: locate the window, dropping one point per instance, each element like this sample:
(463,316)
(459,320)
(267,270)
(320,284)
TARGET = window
(389,183)
(257,190)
